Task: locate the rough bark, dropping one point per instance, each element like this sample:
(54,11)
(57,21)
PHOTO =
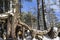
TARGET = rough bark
(8,27)
(38,14)
(44,22)
(14,18)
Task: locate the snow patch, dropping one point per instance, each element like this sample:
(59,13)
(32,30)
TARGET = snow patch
(28,31)
(46,38)
(34,38)
(24,38)
(3,15)
(10,12)
(14,10)
(55,29)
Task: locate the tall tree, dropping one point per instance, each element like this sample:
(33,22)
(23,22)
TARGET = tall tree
(41,18)
(15,17)
(38,14)
(20,7)
(43,13)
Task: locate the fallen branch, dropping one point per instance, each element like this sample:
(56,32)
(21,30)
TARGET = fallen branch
(38,32)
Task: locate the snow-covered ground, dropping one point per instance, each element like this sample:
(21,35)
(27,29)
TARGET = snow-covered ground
(46,38)
(55,29)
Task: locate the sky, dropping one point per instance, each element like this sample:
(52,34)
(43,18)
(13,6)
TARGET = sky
(27,6)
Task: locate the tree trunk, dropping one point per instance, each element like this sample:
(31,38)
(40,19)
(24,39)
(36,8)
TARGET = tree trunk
(8,28)
(44,22)
(14,18)
(20,6)
(38,15)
